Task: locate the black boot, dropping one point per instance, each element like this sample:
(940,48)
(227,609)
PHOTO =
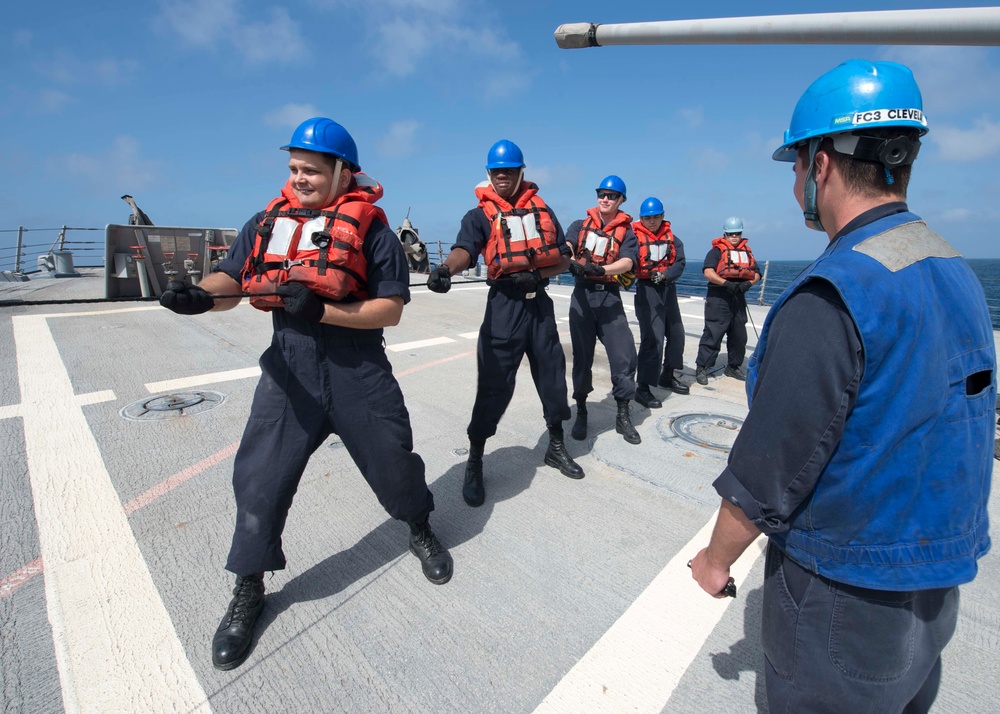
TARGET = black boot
(580,425)
(231,643)
(623,423)
(646,398)
(434,559)
(472,489)
(558,458)
(669,381)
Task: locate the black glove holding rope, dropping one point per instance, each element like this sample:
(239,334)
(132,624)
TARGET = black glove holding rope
(658,277)
(186,299)
(593,271)
(301,302)
(732,287)
(440,279)
(745,285)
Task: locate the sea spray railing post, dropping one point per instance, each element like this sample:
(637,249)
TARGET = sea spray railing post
(17,257)
(763,283)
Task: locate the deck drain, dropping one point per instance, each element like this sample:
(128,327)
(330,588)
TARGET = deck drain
(172,406)
(709,431)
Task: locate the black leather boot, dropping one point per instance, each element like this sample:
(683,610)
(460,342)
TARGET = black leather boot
(434,559)
(231,643)
(646,398)
(669,381)
(558,458)
(623,423)
(473,490)
(580,425)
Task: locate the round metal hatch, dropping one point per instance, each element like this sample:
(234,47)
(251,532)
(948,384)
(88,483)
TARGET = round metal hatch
(172,406)
(716,432)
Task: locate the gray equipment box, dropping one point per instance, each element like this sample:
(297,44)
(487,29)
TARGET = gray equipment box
(188,253)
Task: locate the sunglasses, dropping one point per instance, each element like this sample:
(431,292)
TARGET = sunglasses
(610,195)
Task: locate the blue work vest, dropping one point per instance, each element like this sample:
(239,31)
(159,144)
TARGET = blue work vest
(901,505)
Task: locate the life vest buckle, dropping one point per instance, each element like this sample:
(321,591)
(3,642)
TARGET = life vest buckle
(321,239)
(288,264)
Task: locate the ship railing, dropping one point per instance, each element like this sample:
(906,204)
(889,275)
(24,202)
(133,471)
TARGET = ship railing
(33,249)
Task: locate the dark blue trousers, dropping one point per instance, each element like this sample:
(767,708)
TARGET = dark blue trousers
(659,318)
(725,316)
(831,647)
(513,327)
(311,387)
(596,312)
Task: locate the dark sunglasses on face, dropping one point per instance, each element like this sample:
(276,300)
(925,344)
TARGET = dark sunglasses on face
(610,195)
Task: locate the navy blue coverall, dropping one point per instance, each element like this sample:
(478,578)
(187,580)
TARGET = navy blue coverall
(659,318)
(514,325)
(725,316)
(318,380)
(596,312)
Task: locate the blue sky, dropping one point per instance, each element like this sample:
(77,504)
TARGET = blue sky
(183,103)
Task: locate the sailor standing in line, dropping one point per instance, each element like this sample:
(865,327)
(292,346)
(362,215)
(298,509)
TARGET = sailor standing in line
(523,244)
(341,276)
(604,246)
(731,271)
(661,263)
(867,453)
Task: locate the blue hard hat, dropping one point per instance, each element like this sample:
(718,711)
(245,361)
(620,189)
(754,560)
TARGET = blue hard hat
(327,137)
(856,95)
(733,224)
(651,207)
(613,183)
(505,154)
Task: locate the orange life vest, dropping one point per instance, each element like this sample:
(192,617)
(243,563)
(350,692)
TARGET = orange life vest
(523,236)
(602,245)
(737,262)
(657,251)
(320,248)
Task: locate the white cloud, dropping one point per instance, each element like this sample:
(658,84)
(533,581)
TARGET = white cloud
(118,169)
(207,24)
(399,141)
(981,141)
(62,67)
(708,159)
(950,78)
(694,116)
(52,100)
(291,115)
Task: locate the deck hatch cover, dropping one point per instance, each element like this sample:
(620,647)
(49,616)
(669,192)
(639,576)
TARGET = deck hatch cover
(710,431)
(172,406)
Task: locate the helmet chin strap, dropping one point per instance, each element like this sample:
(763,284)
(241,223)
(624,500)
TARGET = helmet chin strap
(810,210)
(517,184)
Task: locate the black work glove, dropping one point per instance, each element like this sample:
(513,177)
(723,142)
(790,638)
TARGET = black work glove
(526,282)
(658,277)
(593,271)
(439,280)
(576,269)
(745,285)
(186,299)
(301,302)
(732,286)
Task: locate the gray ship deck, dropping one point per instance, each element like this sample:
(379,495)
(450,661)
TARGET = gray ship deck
(568,596)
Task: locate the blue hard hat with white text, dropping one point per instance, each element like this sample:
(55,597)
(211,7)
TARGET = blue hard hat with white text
(326,137)
(856,95)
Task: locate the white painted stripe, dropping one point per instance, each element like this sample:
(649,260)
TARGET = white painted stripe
(10,411)
(105,395)
(115,646)
(470,335)
(403,346)
(637,664)
(199,380)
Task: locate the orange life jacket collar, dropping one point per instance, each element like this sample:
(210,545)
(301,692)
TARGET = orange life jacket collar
(657,251)
(523,234)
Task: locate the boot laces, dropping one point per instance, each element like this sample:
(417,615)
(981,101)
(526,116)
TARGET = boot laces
(425,539)
(243,600)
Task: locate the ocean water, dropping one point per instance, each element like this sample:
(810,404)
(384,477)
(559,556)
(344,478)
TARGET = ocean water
(781,273)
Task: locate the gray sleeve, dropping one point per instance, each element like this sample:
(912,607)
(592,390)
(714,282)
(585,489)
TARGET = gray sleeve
(807,385)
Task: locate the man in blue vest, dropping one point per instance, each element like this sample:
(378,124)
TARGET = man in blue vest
(867,452)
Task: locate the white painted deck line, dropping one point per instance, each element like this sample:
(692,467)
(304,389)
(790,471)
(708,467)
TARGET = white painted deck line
(10,411)
(417,344)
(115,646)
(637,664)
(104,395)
(469,335)
(200,380)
